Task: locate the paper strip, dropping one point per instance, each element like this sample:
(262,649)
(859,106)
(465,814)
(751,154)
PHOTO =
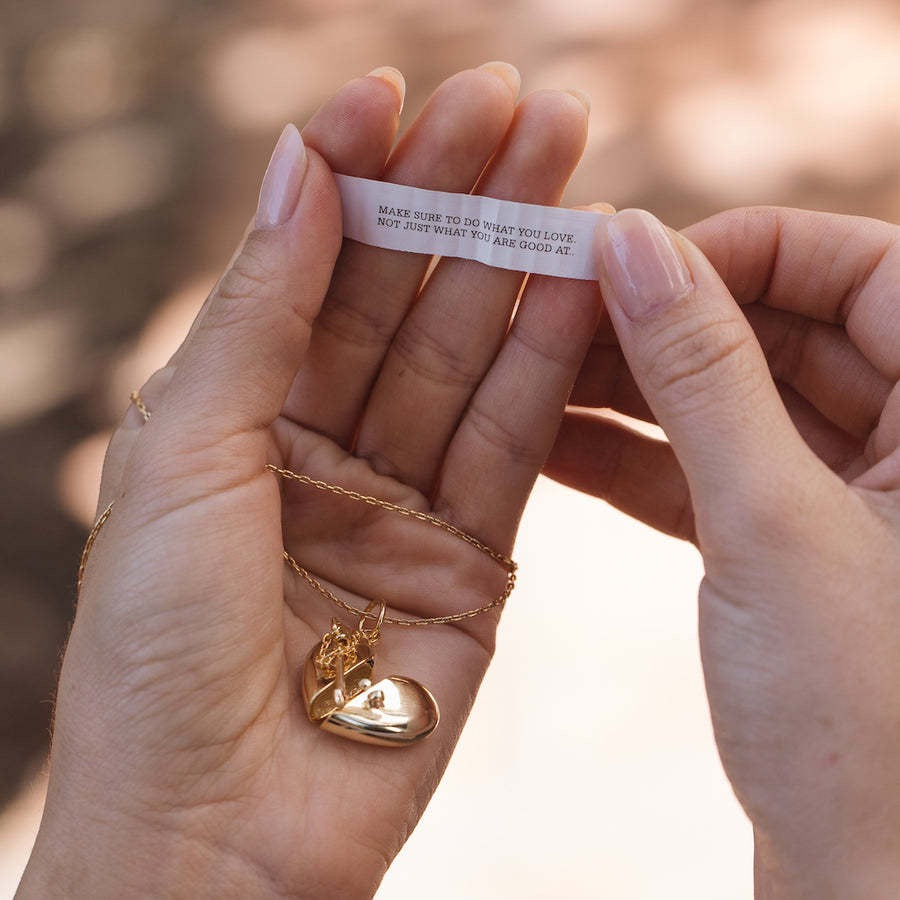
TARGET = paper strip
(544,240)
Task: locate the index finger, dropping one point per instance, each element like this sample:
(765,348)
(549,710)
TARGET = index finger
(839,269)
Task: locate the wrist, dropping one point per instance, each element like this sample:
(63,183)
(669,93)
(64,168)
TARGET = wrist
(93,859)
(91,855)
(841,871)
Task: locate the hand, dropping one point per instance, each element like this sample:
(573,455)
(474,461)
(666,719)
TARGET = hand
(183,762)
(791,490)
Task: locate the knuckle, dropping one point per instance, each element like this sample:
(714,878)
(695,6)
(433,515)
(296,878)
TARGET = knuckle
(514,447)
(432,358)
(254,290)
(543,347)
(690,359)
(250,278)
(364,321)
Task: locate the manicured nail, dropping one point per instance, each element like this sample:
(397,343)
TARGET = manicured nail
(581,97)
(394,77)
(506,72)
(281,184)
(645,270)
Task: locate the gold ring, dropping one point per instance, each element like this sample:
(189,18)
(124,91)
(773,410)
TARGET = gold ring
(139,403)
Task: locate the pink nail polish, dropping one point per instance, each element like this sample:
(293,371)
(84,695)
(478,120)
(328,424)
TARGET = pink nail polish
(281,184)
(645,269)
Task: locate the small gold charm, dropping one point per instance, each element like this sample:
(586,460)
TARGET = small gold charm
(341,697)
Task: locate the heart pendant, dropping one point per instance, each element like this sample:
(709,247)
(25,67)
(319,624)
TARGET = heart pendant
(341,697)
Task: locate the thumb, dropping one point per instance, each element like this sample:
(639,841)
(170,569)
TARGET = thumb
(698,363)
(204,448)
(236,366)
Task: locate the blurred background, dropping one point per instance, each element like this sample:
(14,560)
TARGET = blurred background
(132,140)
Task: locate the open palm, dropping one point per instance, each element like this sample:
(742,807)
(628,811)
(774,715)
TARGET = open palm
(182,746)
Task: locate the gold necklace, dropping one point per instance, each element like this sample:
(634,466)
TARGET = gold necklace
(337,685)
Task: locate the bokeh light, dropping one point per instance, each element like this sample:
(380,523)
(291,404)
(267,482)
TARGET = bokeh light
(101,174)
(608,20)
(79,76)
(725,139)
(258,78)
(833,70)
(5,89)
(814,98)
(38,364)
(28,243)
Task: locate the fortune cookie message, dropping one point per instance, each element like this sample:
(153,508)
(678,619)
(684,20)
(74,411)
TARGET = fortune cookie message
(543,240)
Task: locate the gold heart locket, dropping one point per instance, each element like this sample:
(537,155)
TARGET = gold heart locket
(338,684)
(342,697)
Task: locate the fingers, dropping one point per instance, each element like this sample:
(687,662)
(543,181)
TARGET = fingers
(698,364)
(451,336)
(634,473)
(446,149)
(509,426)
(355,130)
(605,382)
(813,358)
(817,360)
(838,269)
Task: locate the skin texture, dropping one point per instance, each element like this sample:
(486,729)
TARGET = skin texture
(772,363)
(183,763)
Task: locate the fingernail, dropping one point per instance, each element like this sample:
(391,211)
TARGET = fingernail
(394,77)
(581,97)
(645,270)
(599,207)
(281,184)
(506,72)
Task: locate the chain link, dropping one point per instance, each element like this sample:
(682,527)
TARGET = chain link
(88,546)
(314,582)
(428,518)
(337,642)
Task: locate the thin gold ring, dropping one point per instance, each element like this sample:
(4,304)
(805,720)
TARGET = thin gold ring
(141,407)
